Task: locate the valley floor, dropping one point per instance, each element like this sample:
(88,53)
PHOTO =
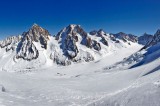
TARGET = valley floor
(84,84)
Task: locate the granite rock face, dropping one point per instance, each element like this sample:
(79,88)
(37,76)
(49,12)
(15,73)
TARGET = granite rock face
(26,48)
(70,38)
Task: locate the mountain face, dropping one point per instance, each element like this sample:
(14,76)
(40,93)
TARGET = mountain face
(10,43)
(37,48)
(144,56)
(100,33)
(156,38)
(147,54)
(125,77)
(154,41)
(74,33)
(26,48)
(68,38)
(126,37)
(76,44)
(145,38)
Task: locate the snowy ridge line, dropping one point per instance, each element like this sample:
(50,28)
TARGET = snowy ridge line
(37,48)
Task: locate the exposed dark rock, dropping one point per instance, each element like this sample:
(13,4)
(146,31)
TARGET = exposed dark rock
(69,38)
(96,45)
(10,43)
(104,41)
(94,32)
(155,40)
(126,37)
(117,41)
(145,38)
(26,48)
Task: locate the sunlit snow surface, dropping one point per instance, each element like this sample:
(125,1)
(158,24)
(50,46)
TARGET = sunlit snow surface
(84,84)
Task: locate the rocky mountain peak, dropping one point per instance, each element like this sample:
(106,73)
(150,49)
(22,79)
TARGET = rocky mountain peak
(157,34)
(68,38)
(158,31)
(122,33)
(98,33)
(101,32)
(155,40)
(156,37)
(145,38)
(126,37)
(35,32)
(75,29)
(26,48)
(71,31)
(10,42)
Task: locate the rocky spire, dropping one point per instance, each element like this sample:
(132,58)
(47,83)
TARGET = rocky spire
(155,40)
(26,48)
(156,37)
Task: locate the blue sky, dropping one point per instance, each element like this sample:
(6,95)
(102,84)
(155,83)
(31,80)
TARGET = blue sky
(130,16)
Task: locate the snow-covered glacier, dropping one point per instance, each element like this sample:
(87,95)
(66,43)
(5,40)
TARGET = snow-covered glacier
(79,68)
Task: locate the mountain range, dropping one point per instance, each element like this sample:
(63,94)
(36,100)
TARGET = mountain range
(71,45)
(79,68)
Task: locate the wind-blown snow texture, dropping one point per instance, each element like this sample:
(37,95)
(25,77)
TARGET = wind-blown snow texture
(103,69)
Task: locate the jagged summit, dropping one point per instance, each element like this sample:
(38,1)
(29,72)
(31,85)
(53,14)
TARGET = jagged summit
(26,48)
(35,32)
(154,41)
(35,25)
(145,38)
(158,31)
(126,37)
(71,44)
(157,36)
(70,40)
(73,25)
(98,33)
(101,31)
(10,43)
(71,29)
